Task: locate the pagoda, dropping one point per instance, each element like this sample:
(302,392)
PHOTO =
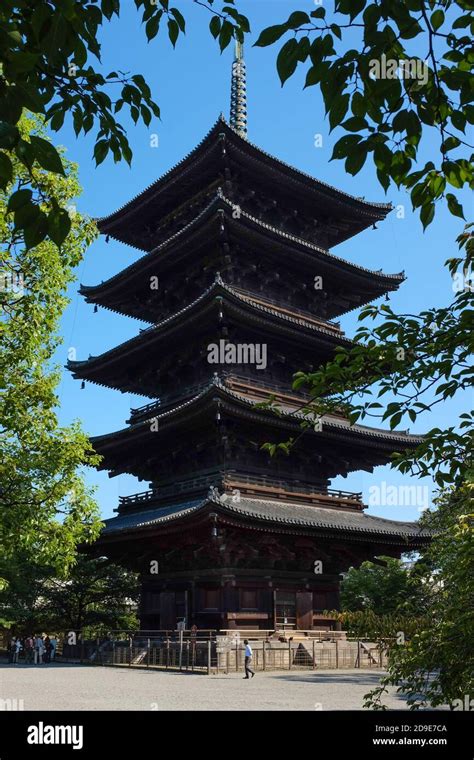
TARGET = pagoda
(240,290)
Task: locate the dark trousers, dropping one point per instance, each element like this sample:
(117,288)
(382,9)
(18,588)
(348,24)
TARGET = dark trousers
(248,669)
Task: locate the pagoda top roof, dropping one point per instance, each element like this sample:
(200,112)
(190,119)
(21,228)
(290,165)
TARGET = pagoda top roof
(278,514)
(166,193)
(380,282)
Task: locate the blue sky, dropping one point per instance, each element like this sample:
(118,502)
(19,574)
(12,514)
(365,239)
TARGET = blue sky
(192,86)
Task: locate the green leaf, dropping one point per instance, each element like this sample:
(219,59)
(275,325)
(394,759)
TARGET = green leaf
(225,35)
(215,26)
(356,160)
(59,225)
(100,151)
(6,170)
(427,214)
(47,155)
(35,233)
(152,25)
(173,31)
(297,19)
(9,135)
(57,120)
(345,146)
(179,19)
(18,199)
(270,35)
(338,110)
(287,60)
(437,19)
(25,215)
(454,206)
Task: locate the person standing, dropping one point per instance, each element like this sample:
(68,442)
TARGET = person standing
(39,650)
(16,650)
(248,660)
(54,645)
(29,649)
(47,649)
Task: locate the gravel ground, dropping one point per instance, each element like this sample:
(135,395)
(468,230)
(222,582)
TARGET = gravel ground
(82,687)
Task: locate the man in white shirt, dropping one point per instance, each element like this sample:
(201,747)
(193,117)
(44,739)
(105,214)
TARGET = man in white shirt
(248,660)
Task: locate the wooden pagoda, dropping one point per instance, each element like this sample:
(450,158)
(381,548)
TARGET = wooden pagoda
(234,242)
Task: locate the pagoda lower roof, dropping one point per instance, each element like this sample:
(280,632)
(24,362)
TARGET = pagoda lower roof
(264,514)
(102,369)
(362,284)
(287,417)
(207,162)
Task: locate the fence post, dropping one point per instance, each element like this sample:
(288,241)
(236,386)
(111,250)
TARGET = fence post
(314,655)
(337,654)
(358,653)
(289,655)
(236,656)
(113,651)
(187,655)
(264,660)
(209,657)
(148,653)
(129,651)
(167,651)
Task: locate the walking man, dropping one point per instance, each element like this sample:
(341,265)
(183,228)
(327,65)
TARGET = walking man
(248,660)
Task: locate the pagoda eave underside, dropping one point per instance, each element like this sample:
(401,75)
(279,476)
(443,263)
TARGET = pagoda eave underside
(264,324)
(139,449)
(348,285)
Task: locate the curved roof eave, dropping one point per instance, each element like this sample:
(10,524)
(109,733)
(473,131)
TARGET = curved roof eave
(216,287)
(372,209)
(287,514)
(385,280)
(216,386)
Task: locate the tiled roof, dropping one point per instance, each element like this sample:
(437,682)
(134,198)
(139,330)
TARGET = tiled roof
(380,209)
(272,512)
(329,422)
(218,286)
(220,200)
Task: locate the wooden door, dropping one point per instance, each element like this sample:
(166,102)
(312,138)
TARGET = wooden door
(167,611)
(285,610)
(304,610)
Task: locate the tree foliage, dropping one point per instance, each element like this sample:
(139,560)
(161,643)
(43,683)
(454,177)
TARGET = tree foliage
(436,666)
(390,73)
(50,64)
(368,61)
(383,589)
(45,507)
(95,594)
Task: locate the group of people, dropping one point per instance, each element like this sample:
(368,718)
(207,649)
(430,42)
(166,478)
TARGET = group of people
(36,649)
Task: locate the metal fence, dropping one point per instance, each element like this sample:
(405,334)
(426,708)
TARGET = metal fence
(209,652)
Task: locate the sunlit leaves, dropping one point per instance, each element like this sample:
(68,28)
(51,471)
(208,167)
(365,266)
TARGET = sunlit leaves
(45,508)
(392,94)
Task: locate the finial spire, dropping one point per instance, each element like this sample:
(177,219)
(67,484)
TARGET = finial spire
(238,94)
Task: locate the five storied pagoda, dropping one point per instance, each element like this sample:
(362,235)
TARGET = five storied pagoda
(226,536)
